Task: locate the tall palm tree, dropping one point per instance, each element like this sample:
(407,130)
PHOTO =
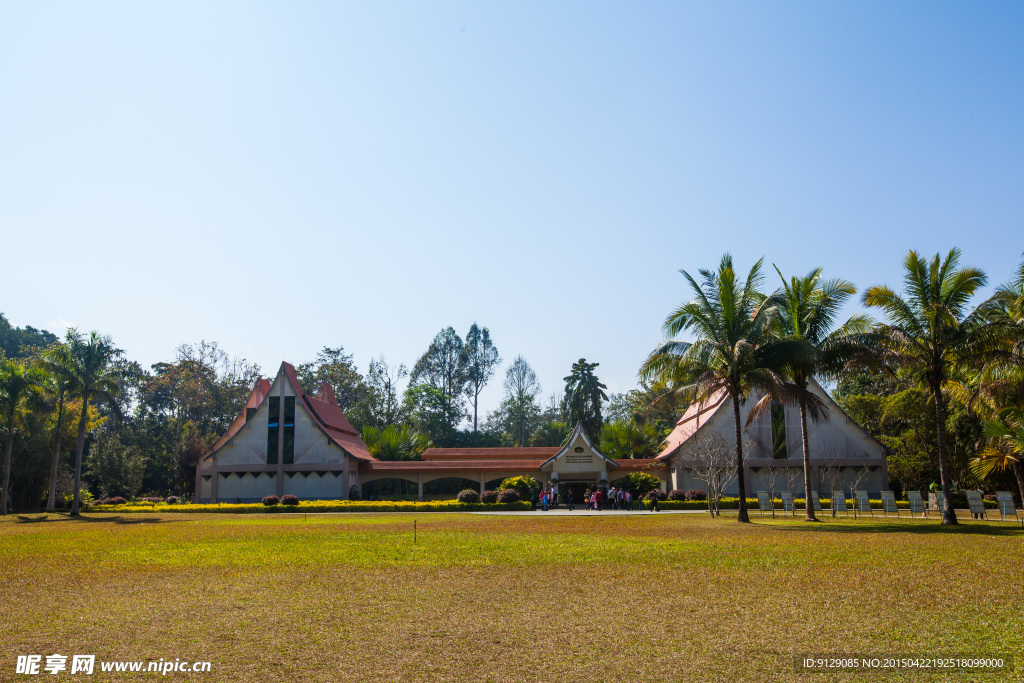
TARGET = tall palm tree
(933,333)
(17,382)
(92,365)
(59,382)
(731,321)
(807,308)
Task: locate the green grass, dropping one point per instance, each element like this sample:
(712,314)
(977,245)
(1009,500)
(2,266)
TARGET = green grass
(351,597)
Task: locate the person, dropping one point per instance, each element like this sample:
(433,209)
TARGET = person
(629,500)
(654,503)
(568,498)
(533,500)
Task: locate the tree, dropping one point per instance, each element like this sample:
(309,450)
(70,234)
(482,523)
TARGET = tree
(18,342)
(627,439)
(118,468)
(92,361)
(395,443)
(335,367)
(59,382)
(550,434)
(1005,451)
(519,413)
(381,406)
(481,360)
(932,334)
(17,383)
(584,394)
(443,368)
(731,353)
(708,458)
(807,308)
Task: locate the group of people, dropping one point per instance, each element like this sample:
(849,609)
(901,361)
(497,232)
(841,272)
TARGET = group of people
(598,499)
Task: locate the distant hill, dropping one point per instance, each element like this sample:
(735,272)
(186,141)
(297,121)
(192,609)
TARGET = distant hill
(20,342)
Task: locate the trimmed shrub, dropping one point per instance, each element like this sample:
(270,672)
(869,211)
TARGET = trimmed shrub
(489,497)
(468,496)
(151,499)
(656,494)
(695,494)
(116,500)
(289,499)
(354,493)
(508,496)
(321,506)
(271,500)
(676,494)
(171,500)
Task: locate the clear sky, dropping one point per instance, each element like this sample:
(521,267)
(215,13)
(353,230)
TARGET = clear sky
(281,176)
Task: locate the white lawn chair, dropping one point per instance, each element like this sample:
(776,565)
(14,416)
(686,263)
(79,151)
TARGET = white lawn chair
(839,503)
(764,502)
(817,501)
(787,502)
(916,503)
(977,504)
(889,503)
(862,502)
(1006,506)
(940,502)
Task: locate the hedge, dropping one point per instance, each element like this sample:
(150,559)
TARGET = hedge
(317,506)
(826,504)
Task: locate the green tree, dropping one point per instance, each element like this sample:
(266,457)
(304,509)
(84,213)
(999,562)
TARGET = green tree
(806,312)
(395,443)
(1005,449)
(117,467)
(335,367)
(17,383)
(381,406)
(92,365)
(627,439)
(58,382)
(443,368)
(519,413)
(18,342)
(932,333)
(550,434)
(731,352)
(584,395)
(481,360)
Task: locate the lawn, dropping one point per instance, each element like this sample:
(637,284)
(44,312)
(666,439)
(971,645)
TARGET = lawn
(478,597)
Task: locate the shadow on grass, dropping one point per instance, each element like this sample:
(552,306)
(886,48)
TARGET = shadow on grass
(911,526)
(90,519)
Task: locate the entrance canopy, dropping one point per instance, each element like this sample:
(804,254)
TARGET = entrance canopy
(579,460)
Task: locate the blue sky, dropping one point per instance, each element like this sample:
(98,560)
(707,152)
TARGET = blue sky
(284,176)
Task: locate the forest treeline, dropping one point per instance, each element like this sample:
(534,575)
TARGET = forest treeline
(139,431)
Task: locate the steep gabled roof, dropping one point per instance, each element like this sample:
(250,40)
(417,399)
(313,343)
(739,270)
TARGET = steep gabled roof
(322,409)
(579,433)
(501,453)
(696,416)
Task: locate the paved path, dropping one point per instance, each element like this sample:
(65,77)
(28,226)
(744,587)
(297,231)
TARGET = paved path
(563,512)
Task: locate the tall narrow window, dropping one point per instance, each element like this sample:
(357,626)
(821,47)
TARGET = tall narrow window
(249,412)
(273,425)
(779,447)
(289,430)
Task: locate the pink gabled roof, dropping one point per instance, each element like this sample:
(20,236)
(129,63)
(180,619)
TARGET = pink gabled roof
(500,453)
(696,416)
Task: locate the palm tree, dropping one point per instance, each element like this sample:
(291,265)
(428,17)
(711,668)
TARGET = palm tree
(627,439)
(1006,449)
(17,382)
(92,366)
(395,443)
(731,321)
(807,308)
(933,334)
(59,381)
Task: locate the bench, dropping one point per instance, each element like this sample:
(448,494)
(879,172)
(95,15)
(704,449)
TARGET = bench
(889,503)
(839,502)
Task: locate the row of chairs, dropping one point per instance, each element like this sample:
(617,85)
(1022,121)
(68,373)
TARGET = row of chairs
(862,503)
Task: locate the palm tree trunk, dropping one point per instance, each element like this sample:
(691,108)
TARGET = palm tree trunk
(808,503)
(79,447)
(51,500)
(948,514)
(1018,469)
(741,484)
(7,459)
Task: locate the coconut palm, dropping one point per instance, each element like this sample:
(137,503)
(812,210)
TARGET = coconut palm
(933,334)
(1006,447)
(58,382)
(92,366)
(731,321)
(17,383)
(806,314)
(395,443)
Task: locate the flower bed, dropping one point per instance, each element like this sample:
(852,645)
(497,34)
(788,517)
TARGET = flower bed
(826,504)
(317,506)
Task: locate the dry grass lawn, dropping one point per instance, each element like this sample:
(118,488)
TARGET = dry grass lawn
(482,598)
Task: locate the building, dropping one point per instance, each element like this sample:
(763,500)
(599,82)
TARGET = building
(288,442)
(842,452)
